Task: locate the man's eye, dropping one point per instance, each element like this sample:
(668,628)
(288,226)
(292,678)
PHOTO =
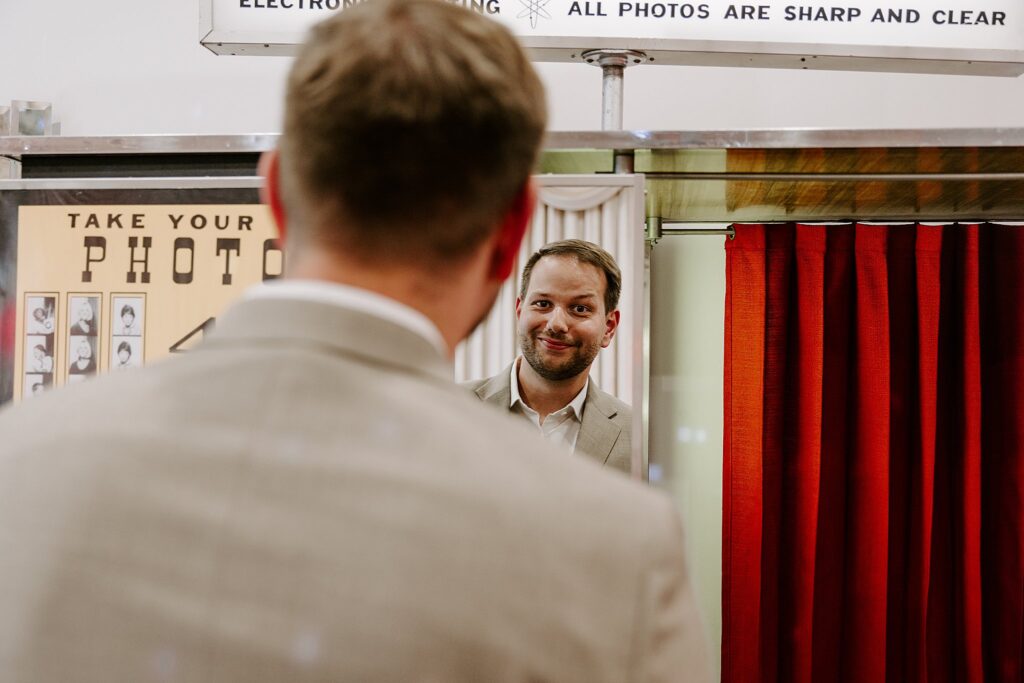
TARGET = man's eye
(581,309)
(542,304)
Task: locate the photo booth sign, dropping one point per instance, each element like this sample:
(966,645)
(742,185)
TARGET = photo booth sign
(109,287)
(924,36)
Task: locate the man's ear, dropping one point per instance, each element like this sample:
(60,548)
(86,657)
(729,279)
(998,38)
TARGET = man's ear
(611,324)
(270,192)
(519,307)
(510,232)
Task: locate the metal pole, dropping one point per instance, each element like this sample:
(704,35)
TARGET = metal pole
(612,68)
(645,406)
(613,64)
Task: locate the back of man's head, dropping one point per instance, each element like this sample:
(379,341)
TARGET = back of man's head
(410,128)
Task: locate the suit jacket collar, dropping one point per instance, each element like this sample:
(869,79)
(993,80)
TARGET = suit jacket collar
(498,390)
(329,329)
(597,430)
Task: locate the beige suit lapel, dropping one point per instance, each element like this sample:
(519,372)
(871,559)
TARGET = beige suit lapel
(598,432)
(331,329)
(498,389)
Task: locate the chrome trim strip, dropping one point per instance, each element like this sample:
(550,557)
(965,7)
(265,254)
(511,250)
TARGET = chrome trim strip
(132,183)
(761,138)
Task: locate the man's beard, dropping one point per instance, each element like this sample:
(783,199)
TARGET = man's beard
(578,362)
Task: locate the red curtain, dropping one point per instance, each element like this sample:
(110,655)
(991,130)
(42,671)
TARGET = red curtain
(874,454)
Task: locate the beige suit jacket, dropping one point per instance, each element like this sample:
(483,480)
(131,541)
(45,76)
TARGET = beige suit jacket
(308,497)
(605,430)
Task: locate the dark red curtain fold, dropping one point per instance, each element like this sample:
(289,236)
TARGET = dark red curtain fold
(1002,275)
(874,487)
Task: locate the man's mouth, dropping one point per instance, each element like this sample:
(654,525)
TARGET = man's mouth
(554,344)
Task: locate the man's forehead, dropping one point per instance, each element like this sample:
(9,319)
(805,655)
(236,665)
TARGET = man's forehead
(566,275)
(568,265)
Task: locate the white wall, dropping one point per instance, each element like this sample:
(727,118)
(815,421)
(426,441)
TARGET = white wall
(113,67)
(686,394)
(135,66)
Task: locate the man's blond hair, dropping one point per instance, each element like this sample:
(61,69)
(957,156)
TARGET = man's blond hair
(410,128)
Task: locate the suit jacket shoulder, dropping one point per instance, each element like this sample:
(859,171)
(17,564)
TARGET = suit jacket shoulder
(305,491)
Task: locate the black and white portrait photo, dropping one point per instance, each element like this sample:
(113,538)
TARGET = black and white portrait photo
(40,314)
(36,383)
(82,356)
(39,354)
(128,314)
(125,352)
(84,315)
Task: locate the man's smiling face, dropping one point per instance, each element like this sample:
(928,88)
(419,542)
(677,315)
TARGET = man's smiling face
(561,322)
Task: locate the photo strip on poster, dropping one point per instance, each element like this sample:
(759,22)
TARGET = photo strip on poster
(131,283)
(40,345)
(84,320)
(127,339)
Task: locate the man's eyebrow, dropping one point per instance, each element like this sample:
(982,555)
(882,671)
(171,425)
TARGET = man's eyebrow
(575,297)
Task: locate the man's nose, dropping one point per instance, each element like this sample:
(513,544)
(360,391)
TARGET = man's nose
(558,321)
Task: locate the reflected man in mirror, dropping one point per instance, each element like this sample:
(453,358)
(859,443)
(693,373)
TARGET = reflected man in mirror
(566,312)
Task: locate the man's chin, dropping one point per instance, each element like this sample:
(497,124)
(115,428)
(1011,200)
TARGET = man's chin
(554,373)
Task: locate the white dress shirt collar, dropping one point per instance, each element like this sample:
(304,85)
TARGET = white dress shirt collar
(576,404)
(561,427)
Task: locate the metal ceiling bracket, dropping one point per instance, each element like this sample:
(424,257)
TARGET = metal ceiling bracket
(653,232)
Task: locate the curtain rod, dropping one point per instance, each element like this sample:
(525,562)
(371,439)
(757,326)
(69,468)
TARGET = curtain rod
(656,229)
(665,231)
